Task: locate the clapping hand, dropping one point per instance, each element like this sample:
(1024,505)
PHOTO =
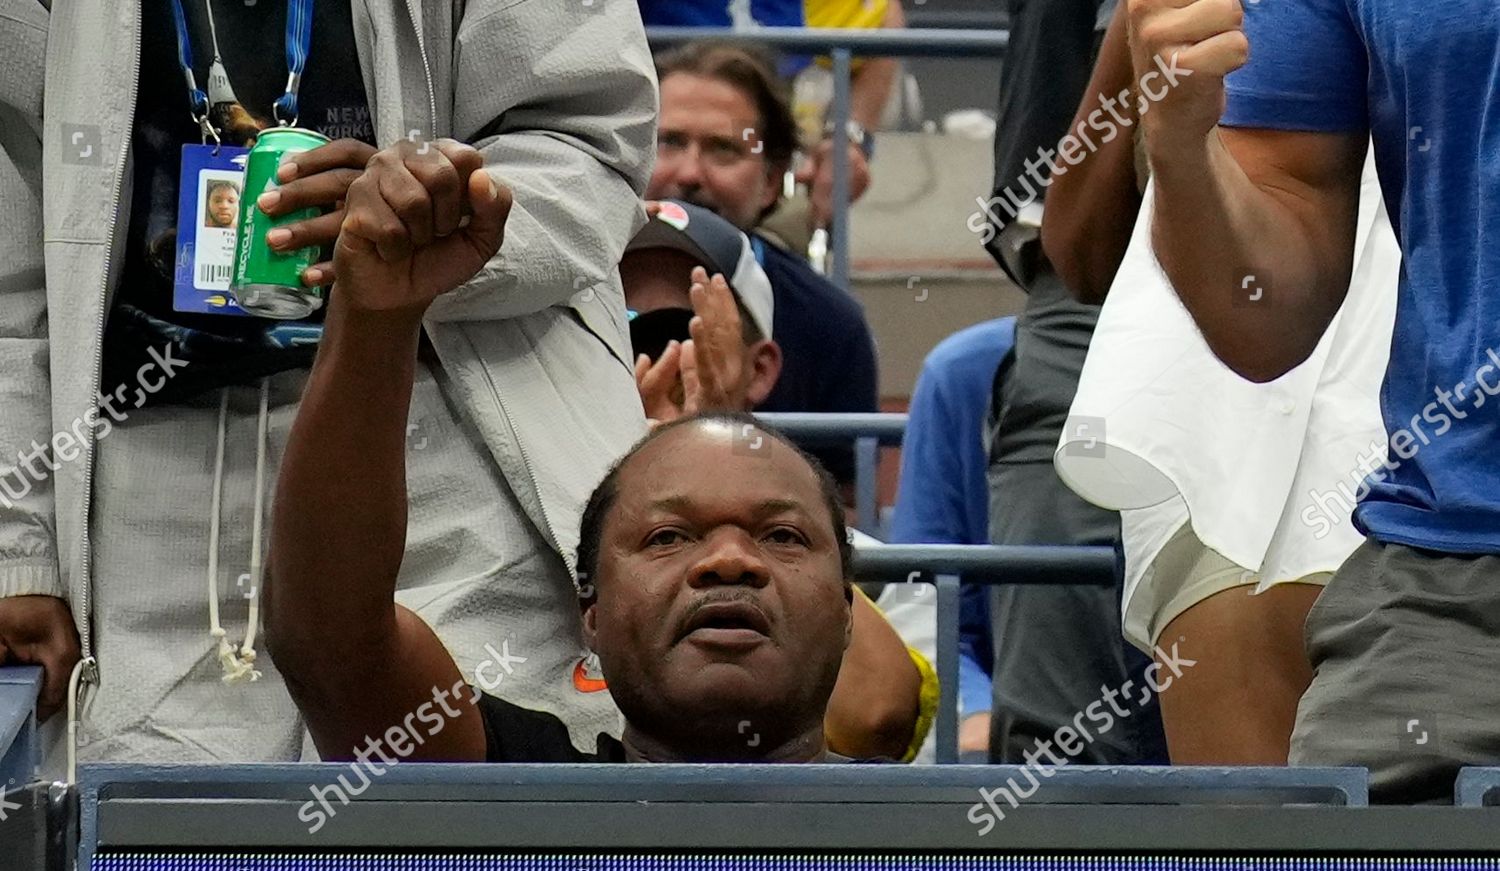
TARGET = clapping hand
(708,372)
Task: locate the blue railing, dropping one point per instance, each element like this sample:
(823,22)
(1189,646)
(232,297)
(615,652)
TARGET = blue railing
(948,567)
(945,566)
(841,46)
(867,432)
(526,817)
(20,748)
(184,816)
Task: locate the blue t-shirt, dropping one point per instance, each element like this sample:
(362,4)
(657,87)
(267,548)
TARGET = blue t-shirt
(943,496)
(715,13)
(1420,78)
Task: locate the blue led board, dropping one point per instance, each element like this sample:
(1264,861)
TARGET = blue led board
(178,861)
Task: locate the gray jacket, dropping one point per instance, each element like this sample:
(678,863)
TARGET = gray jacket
(560,97)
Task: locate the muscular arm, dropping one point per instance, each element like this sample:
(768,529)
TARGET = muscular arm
(338,534)
(1254,227)
(876,702)
(1279,206)
(1092,207)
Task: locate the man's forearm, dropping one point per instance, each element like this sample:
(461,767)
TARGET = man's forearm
(1255,266)
(870,90)
(339,526)
(876,702)
(1092,207)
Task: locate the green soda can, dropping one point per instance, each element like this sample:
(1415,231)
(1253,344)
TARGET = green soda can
(265,282)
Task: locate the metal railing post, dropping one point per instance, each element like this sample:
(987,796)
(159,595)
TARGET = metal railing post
(867,484)
(947,668)
(840,231)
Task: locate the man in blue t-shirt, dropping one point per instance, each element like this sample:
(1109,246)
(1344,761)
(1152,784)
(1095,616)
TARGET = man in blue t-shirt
(1257,190)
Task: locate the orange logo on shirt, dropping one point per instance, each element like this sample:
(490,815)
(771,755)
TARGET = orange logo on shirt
(587,676)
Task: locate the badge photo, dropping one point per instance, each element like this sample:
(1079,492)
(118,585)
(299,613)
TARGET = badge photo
(210,207)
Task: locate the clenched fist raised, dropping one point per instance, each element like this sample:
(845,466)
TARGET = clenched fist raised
(404,239)
(1202,42)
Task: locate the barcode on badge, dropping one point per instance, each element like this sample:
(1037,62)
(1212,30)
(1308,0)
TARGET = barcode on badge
(213,275)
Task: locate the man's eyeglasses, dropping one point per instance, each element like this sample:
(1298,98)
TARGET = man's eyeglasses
(714,150)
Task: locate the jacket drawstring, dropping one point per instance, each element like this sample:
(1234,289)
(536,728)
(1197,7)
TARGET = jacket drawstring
(238,665)
(75,717)
(257,570)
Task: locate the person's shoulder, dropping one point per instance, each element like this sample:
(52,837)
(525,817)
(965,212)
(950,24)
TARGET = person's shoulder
(960,370)
(517,734)
(790,274)
(783,264)
(978,345)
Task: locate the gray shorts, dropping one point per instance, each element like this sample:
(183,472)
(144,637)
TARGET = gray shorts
(1406,648)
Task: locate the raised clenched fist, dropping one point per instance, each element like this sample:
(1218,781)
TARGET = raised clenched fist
(419,221)
(1181,51)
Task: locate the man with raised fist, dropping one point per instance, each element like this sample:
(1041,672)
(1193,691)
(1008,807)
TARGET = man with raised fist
(145,413)
(1256,156)
(719,598)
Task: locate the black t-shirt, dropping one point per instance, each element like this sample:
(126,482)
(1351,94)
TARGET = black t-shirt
(516,734)
(827,352)
(220,348)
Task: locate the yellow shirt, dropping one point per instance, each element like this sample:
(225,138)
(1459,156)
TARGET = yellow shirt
(866,14)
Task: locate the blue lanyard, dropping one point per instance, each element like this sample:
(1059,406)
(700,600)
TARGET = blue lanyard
(196,97)
(758,249)
(299,15)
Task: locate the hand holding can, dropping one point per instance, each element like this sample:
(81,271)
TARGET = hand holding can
(267,281)
(318,178)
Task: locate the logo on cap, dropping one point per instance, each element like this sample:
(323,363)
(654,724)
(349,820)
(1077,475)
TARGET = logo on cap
(674,215)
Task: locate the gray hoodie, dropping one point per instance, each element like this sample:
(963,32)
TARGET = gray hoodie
(560,97)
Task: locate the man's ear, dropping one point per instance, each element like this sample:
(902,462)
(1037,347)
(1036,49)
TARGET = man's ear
(590,607)
(774,174)
(764,359)
(849,596)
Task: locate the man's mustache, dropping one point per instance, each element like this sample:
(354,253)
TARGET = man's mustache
(697,198)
